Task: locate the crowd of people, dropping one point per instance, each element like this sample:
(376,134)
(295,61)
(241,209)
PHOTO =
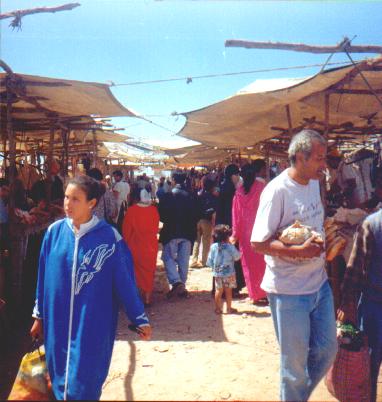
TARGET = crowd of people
(107,246)
(104,253)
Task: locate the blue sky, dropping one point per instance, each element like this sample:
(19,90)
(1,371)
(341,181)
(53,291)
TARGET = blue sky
(127,41)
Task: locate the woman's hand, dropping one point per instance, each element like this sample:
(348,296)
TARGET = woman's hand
(347,313)
(37,331)
(145,332)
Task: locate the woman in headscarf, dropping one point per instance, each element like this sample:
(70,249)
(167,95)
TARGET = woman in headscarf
(139,230)
(228,187)
(244,209)
(227,191)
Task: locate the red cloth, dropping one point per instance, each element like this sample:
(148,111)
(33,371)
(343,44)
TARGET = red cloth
(244,209)
(139,230)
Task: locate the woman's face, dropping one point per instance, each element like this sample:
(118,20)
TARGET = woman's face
(235,178)
(76,205)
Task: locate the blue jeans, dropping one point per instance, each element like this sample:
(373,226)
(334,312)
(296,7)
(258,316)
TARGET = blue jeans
(305,327)
(370,320)
(176,256)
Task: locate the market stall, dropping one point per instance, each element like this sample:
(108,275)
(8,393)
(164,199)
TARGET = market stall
(43,118)
(343,104)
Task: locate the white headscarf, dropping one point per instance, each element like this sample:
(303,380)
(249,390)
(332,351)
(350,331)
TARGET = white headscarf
(145,196)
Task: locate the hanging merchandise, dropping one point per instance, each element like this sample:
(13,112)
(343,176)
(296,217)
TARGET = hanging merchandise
(376,161)
(355,177)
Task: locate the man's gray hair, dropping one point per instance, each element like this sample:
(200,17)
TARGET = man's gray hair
(303,142)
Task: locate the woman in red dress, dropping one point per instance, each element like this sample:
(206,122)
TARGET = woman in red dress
(139,230)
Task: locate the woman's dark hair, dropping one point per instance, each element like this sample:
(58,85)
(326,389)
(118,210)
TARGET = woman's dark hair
(179,177)
(259,164)
(135,195)
(248,173)
(230,170)
(95,173)
(221,233)
(91,187)
(208,184)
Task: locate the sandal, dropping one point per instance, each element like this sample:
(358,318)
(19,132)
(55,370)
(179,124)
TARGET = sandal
(232,311)
(218,311)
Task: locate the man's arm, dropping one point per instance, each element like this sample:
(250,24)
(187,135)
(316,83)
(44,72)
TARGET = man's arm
(276,248)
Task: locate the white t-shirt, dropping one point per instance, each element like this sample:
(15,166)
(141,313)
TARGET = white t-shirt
(123,190)
(282,202)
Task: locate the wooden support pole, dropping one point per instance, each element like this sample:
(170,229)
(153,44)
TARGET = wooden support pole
(49,164)
(300,47)
(323,182)
(95,150)
(11,140)
(22,13)
(289,118)
(62,152)
(357,91)
(326,117)
(5,151)
(267,163)
(17,15)
(65,151)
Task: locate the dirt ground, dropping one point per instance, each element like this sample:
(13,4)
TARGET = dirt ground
(195,354)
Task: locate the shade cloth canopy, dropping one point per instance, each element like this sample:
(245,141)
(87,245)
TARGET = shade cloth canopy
(39,102)
(205,155)
(280,107)
(198,154)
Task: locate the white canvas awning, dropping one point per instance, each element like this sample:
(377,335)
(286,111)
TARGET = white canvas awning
(39,101)
(268,108)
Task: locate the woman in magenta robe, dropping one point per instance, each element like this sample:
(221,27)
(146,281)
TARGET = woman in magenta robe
(244,209)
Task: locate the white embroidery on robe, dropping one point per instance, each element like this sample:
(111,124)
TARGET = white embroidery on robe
(92,263)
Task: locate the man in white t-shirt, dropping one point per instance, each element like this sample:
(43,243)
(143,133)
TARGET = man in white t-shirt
(121,190)
(295,279)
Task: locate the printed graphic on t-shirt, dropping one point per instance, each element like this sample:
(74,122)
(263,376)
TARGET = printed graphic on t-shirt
(308,213)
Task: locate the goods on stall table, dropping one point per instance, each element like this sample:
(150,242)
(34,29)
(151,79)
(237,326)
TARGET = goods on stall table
(37,216)
(335,241)
(350,216)
(337,227)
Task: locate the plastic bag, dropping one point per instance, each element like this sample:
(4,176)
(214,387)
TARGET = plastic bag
(32,382)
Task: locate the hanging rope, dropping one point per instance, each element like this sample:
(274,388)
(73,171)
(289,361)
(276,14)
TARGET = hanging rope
(190,79)
(364,78)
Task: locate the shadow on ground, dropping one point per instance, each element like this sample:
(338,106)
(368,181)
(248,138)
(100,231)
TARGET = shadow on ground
(179,320)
